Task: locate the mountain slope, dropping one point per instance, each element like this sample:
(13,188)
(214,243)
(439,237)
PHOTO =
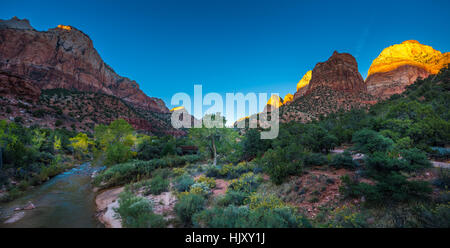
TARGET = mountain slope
(65,58)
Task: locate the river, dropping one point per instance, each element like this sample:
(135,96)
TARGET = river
(66,200)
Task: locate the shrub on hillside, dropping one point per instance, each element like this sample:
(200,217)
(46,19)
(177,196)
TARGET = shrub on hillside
(392,187)
(344,160)
(136,211)
(416,159)
(157,185)
(183,183)
(244,217)
(280,163)
(188,205)
(315,159)
(232,197)
(368,141)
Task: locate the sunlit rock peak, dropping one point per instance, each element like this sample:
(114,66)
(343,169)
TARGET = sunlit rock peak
(65,27)
(305,80)
(177,108)
(275,101)
(409,52)
(288,98)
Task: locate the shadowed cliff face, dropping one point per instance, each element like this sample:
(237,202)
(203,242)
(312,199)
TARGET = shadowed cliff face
(400,65)
(65,57)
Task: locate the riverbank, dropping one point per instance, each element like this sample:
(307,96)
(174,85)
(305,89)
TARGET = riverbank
(19,189)
(66,200)
(106,201)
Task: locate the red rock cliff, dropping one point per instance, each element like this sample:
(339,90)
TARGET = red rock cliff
(339,72)
(64,57)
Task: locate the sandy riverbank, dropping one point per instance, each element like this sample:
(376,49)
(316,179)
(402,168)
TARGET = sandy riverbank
(106,201)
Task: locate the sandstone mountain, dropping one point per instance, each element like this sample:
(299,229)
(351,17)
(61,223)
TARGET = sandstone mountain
(337,84)
(301,85)
(288,98)
(400,65)
(334,84)
(65,58)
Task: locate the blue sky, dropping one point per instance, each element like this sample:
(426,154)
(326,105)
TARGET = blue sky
(236,46)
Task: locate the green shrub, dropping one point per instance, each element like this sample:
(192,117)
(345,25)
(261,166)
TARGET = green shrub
(200,188)
(183,183)
(391,187)
(443,179)
(124,173)
(344,160)
(347,217)
(189,204)
(117,153)
(416,159)
(280,163)
(381,163)
(136,211)
(434,216)
(208,181)
(232,197)
(121,174)
(368,141)
(246,183)
(315,159)
(158,185)
(243,217)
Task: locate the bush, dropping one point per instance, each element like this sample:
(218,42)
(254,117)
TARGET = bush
(183,183)
(124,173)
(200,188)
(368,141)
(434,216)
(315,159)
(210,182)
(121,174)
(243,217)
(343,160)
(158,185)
(117,153)
(381,163)
(213,171)
(246,183)
(416,159)
(136,211)
(392,188)
(318,139)
(58,123)
(188,205)
(280,163)
(347,217)
(252,145)
(232,197)
(443,179)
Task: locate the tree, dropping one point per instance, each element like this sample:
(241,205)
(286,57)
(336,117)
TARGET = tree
(57,144)
(81,143)
(318,139)
(253,145)
(214,140)
(280,162)
(369,141)
(115,141)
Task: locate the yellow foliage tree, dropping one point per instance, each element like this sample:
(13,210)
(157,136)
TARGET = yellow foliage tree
(80,143)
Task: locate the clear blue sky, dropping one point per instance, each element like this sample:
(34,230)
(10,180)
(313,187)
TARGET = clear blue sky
(236,46)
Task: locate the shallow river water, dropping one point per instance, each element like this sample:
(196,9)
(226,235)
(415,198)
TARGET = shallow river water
(66,200)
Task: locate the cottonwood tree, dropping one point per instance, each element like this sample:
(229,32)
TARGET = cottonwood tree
(214,139)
